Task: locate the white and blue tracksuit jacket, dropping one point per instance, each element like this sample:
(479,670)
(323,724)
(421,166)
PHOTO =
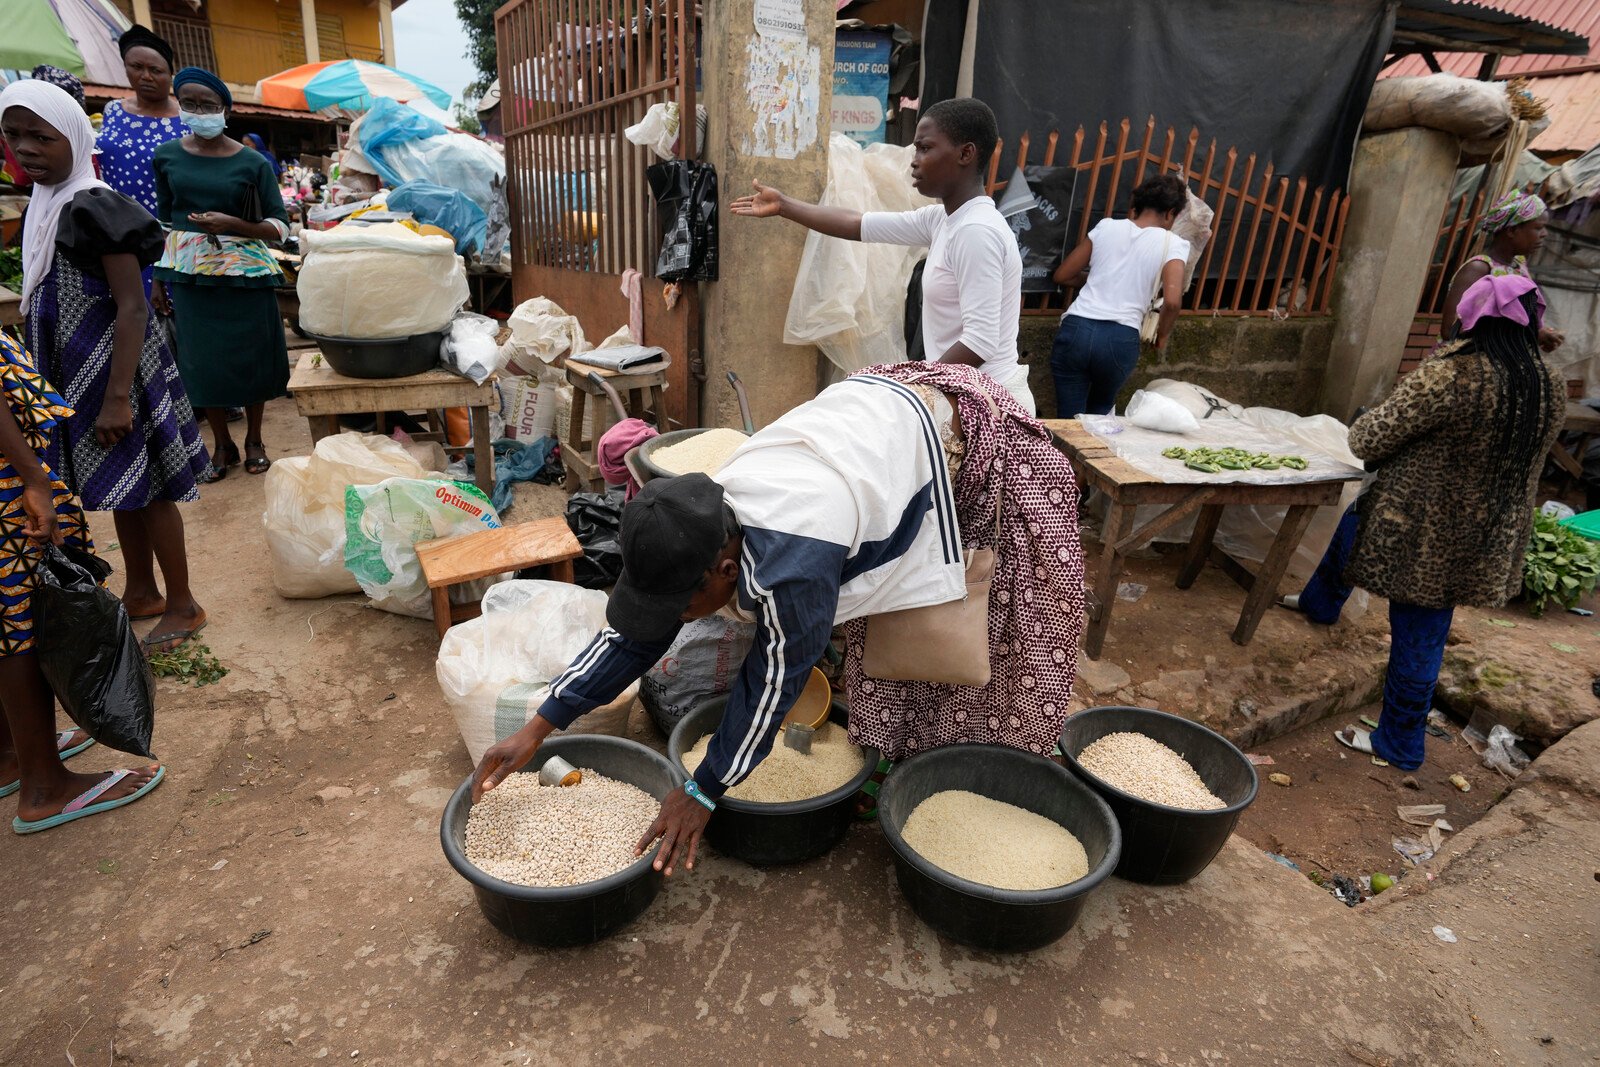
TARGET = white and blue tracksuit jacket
(847,510)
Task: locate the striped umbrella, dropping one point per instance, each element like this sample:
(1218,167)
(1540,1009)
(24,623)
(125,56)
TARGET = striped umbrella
(351,84)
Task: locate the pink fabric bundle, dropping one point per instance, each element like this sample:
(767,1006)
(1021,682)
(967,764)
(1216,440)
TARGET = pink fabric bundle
(1499,295)
(613,447)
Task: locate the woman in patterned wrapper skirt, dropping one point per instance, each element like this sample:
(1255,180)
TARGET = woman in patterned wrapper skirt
(131,446)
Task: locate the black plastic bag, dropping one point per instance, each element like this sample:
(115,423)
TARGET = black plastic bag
(1042,231)
(595,519)
(88,652)
(685,192)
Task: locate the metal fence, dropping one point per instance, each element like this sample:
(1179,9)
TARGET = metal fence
(1274,240)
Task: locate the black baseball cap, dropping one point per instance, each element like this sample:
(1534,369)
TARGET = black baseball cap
(671,534)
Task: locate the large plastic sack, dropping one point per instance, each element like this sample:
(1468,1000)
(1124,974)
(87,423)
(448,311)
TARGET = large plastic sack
(378,281)
(456,160)
(304,516)
(1193,224)
(87,651)
(848,295)
(383,524)
(1473,110)
(541,329)
(448,209)
(702,663)
(470,348)
(495,670)
(386,124)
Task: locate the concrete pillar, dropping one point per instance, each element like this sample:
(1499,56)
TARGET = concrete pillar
(1398,188)
(775,129)
(141,13)
(386,28)
(308,29)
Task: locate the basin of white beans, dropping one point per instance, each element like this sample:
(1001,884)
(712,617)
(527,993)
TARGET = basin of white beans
(546,836)
(1149,770)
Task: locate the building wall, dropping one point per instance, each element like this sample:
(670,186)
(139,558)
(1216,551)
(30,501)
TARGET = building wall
(255,38)
(1256,362)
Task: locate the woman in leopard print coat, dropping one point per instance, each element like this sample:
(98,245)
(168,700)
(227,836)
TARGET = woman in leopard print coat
(1456,449)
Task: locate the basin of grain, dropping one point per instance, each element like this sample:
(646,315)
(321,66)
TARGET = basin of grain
(703,453)
(786,775)
(539,835)
(994,843)
(1143,767)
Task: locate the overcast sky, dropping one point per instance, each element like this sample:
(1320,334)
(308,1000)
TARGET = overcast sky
(430,43)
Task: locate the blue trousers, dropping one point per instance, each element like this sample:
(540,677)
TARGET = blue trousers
(1090,361)
(1416,650)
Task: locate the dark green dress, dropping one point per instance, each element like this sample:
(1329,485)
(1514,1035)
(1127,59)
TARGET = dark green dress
(230,347)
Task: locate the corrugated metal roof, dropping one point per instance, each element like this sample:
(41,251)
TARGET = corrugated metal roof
(1576,16)
(1574,103)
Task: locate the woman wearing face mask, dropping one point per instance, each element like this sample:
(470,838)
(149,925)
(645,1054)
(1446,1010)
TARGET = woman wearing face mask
(132,130)
(217,274)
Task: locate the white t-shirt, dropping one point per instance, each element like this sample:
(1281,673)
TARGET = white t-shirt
(1123,269)
(972,284)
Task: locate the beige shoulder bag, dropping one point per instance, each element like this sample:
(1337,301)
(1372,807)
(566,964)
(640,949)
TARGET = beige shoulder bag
(1150,326)
(947,643)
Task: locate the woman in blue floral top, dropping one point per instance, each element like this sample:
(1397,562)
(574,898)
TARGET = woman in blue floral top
(132,130)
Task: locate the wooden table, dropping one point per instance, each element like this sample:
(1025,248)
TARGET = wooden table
(321,395)
(10,308)
(1584,421)
(1128,487)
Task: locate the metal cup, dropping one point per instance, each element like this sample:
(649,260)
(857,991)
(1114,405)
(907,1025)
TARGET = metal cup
(557,771)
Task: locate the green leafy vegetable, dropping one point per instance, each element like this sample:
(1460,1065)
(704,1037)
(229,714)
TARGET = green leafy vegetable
(11,269)
(190,663)
(1561,565)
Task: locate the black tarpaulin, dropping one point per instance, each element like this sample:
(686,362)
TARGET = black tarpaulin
(1285,79)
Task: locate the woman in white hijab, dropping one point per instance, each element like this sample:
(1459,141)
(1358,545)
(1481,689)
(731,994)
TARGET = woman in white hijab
(131,447)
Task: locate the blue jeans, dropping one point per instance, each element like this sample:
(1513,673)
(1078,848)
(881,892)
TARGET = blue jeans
(1090,360)
(1416,650)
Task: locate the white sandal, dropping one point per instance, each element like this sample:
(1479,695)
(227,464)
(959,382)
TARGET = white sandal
(1361,741)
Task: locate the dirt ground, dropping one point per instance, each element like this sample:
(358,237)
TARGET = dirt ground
(236,917)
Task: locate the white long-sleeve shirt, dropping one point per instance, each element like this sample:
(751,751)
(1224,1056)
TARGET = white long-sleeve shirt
(972,284)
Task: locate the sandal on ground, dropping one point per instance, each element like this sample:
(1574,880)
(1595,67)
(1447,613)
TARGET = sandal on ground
(870,788)
(166,642)
(64,748)
(213,473)
(256,464)
(230,456)
(84,804)
(1361,741)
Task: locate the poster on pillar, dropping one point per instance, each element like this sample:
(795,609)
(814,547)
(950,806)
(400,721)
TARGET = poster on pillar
(860,85)
(782,82)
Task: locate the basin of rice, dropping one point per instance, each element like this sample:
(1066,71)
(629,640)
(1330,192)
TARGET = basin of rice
(543,835)
(1143,767)
(786,775)
(994,843)
(703,453)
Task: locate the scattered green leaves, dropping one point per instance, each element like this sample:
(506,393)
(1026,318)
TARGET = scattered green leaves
(1217,460)
(1560,646)
(190,663)
(106,867)
(1504,623)
(1561,565)
(11,269)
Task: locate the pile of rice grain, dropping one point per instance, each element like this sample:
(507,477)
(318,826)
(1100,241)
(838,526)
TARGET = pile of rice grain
(703,453)
(545,835)
(787,775)
(994,843)
(1149,770)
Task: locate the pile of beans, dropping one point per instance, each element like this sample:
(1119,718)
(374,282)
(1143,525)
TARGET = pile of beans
(703,453)
(1149,770)
(994,843)
(534,835)
(787,775)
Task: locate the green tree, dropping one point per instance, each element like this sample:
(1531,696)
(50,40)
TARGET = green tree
(467,117)
(477,18)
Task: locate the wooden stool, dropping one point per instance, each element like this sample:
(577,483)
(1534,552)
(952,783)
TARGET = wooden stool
(593,414)
(452,560)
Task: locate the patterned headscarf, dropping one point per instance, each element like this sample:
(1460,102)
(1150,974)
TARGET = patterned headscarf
(60,79)
(1513,209)
(201,76)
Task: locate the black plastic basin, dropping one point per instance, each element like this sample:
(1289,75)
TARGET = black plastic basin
(666,440)
(1162,845)
(769,835)
(390,357)
(1001,920)
(578,914)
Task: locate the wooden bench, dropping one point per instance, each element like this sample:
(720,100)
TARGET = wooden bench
(450,561)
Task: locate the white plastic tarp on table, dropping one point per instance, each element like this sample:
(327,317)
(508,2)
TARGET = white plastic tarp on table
(1247,533)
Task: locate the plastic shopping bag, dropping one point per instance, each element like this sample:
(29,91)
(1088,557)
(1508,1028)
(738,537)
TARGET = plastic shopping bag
(88,652)
(495,670)
(685,192)
(383,524)
(470,349)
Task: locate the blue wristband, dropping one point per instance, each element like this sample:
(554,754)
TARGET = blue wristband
(693,789)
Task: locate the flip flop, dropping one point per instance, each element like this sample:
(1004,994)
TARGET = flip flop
(1361,741)
(214,474)
(148,615)
(871,787)
(62,737)
(172,639)
(84,804)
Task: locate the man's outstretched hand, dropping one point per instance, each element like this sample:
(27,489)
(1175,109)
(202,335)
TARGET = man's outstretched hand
(764,203)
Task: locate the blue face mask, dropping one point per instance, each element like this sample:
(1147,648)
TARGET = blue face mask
(206,126)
